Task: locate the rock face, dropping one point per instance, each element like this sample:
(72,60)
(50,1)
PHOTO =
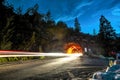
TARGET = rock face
(85,41)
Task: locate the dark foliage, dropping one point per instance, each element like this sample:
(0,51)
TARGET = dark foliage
(34,31)
(77,25)
(107,36)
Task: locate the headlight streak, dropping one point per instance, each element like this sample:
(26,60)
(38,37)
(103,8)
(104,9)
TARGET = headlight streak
(22,54)
(65,57)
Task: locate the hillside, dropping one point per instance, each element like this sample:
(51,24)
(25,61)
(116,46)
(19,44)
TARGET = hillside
(38,32)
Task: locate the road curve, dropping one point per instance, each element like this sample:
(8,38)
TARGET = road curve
(44,68)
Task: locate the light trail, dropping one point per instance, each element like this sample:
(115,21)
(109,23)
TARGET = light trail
(22,54)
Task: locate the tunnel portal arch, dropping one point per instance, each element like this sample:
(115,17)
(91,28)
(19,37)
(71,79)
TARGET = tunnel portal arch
(71,48)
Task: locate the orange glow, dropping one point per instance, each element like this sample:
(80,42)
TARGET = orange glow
(71,48)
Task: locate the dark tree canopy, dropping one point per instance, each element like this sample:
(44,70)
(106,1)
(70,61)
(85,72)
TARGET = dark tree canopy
(106,30)
(34,31)
(77,25)
(107,35)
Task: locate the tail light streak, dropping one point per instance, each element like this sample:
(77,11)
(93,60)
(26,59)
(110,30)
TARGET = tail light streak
(23,54)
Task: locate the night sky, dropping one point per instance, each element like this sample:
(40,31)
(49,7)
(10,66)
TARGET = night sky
(87,11)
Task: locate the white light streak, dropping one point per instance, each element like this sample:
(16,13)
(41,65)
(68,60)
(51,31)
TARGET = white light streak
(22,54)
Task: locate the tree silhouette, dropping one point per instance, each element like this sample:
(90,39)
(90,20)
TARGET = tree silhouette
(106,34)
(77,25)
(106,30)
(6,11)
(6,34)
(94,32)
(48,16)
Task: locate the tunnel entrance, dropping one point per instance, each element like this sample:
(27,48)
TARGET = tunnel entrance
(71,48)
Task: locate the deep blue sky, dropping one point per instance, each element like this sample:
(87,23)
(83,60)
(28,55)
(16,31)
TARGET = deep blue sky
(87,11)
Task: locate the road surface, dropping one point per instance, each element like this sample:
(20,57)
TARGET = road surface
(64,68)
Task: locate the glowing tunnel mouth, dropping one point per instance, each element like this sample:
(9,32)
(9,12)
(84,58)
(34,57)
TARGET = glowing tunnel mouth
(73,48)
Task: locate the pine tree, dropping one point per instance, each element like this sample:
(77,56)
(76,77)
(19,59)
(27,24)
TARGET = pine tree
(48,16)
(106,30)
(107,35)
(6,34)
(19,11)
(94,32)
(77,25)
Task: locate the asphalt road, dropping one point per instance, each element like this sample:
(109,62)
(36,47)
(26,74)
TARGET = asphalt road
(64,68)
